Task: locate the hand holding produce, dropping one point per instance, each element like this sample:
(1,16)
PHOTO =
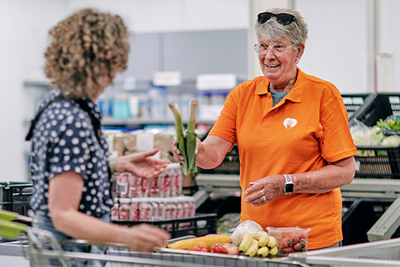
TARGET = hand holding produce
(186,142)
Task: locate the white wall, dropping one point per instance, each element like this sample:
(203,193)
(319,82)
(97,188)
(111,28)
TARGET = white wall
(23,27)
(336,49)
(174,15)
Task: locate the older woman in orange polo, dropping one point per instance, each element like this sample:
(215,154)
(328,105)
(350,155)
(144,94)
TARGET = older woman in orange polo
(291,129)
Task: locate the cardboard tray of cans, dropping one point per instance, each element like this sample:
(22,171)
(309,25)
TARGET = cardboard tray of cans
(167,184)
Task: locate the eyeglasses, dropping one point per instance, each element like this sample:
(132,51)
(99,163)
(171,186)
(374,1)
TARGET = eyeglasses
(282,18)
(262,49)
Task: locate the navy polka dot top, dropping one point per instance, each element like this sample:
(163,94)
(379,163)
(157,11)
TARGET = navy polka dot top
(64,140)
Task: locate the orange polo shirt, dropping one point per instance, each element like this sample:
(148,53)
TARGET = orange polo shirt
(303,132)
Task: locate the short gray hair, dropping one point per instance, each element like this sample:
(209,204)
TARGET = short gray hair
(274,31)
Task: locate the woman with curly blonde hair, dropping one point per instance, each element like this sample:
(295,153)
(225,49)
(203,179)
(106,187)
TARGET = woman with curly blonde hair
(69,165)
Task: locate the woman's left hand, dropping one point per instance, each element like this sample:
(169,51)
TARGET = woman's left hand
(264,190)
(142,164)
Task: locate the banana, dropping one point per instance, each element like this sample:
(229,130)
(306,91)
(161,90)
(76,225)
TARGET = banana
(262,238)
(273,251)
(246,241)
(263,252)
(252,250)
(271,242)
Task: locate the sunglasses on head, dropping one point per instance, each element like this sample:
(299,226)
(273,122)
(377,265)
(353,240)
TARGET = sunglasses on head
(282,18)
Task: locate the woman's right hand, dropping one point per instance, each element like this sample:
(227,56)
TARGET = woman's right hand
(178,154)
(146,237)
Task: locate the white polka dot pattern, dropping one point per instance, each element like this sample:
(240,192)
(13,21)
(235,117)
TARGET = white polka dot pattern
(64,140)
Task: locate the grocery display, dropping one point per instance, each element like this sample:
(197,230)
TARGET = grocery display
(290,239)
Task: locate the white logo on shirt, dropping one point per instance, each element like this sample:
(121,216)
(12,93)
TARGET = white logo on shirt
(289,123)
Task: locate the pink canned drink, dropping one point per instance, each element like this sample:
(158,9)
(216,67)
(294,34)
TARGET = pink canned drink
(145,210)
(124,209)
(121,185)
(135,186)
(115,212)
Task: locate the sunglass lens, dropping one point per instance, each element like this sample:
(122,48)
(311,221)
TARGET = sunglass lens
(285,19)
(264,17)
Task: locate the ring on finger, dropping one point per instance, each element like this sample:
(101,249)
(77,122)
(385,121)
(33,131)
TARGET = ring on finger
(264,198)
(262,192)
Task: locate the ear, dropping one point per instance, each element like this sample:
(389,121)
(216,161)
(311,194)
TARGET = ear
(300,51)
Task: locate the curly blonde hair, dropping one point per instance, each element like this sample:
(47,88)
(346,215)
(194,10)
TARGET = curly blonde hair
(85,48)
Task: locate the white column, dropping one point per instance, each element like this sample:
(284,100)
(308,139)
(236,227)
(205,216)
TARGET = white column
(255,7)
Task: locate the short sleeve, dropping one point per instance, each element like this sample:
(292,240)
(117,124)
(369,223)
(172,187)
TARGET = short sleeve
(225,126)
(337,142)
(70,150)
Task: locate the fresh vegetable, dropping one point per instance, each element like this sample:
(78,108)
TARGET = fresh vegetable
(393,140)
(181,244)
(391,123)
(200,248)
(232,249)
(209,240)
(218,248)
(190,138)
(180,138)
(186,143)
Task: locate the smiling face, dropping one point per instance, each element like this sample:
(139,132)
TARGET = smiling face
(279,67)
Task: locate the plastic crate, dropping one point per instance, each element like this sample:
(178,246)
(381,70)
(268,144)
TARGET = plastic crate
(230,164)
(15,196)
(199,225)
(359,215)
(377,161)
(353,102)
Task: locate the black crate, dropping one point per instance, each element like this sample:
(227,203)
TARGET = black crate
(377,161)
(199,225)
(353,102)
(15,196)
(359,215)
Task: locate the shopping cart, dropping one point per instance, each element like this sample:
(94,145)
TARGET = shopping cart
(43,249)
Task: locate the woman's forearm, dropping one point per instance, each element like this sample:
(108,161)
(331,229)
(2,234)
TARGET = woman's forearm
(325,179)
(82,226)
(211,152)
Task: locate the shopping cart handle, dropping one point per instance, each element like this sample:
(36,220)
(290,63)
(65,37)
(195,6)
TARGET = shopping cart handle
(11,229)
(8,215)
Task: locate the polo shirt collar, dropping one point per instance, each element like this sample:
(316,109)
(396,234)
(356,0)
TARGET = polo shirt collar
(295,93)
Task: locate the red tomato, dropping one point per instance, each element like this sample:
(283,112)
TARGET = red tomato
(200,248)
(218,249)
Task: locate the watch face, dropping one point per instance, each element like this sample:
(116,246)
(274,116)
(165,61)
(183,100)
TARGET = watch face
(288,188)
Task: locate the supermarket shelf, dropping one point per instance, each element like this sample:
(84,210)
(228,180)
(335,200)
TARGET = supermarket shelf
(218,182)
(109,121)
(372,188)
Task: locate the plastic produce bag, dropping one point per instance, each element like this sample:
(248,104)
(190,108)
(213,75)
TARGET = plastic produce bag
(366,136)
(247,226)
